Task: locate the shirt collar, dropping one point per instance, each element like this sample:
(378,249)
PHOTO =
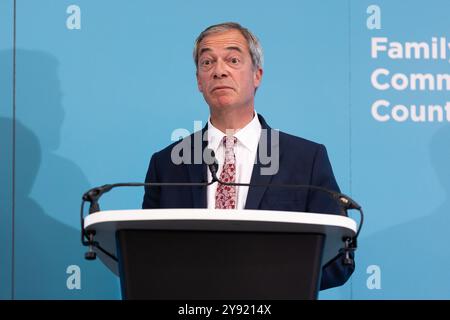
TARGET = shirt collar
(248,136)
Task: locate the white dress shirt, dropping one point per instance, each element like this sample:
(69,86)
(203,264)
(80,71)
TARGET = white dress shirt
(245,153)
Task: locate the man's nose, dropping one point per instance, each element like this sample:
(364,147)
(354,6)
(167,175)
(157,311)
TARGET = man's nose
(220,70)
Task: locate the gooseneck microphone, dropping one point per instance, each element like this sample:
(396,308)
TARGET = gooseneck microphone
(93,195)
(345,202)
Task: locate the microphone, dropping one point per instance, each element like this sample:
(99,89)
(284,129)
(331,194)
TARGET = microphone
(93,195)
(213,168)
(345,202)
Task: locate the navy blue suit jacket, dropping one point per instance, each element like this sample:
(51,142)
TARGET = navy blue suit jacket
(300,162)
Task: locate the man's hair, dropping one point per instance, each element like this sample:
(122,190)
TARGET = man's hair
(253,43)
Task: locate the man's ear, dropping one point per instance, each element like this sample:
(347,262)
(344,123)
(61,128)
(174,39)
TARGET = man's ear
(199,85)
(257,77)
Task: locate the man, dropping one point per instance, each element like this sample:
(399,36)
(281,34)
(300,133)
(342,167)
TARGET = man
(229,70)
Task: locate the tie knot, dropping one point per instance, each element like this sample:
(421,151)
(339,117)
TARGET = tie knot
(229,141)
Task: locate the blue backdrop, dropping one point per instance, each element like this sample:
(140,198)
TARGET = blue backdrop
(90,89)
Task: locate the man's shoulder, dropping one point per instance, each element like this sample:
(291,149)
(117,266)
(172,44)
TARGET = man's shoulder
(187,142)
(297,143)
(291,141)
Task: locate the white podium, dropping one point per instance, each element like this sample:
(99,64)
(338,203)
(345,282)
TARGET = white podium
(218,254)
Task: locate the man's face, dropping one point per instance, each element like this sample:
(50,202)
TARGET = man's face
(225,73)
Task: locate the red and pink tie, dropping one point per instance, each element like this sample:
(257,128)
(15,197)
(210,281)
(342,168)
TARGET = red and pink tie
(226,195)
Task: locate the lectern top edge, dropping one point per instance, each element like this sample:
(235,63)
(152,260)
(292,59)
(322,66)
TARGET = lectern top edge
(109,216)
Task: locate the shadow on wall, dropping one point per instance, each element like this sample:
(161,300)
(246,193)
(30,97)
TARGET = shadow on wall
(48,187)
(414,257)
(5,204)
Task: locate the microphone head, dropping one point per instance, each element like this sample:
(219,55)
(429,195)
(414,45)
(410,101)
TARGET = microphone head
(210,159)
(348,202)
(214,167)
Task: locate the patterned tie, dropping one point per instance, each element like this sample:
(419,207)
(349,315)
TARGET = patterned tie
(226,195)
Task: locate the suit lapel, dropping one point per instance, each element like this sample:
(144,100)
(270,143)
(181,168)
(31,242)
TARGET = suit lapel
(197,169)
(255,194)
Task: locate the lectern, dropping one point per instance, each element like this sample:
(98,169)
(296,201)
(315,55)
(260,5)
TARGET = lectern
(209,254)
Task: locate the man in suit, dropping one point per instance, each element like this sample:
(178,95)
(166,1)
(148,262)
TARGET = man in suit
(228,58)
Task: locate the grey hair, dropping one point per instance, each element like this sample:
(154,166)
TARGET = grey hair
(254,46)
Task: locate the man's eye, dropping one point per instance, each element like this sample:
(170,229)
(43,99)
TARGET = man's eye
(234,60)
(206,62)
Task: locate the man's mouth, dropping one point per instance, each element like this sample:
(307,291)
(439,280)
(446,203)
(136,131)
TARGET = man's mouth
(221,88)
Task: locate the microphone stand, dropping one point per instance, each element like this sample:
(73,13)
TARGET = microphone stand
(93,195)
(344,201)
